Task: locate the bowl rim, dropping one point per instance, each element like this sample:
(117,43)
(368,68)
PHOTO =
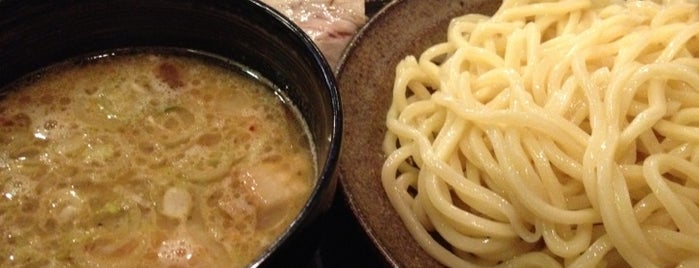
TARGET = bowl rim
(326,178)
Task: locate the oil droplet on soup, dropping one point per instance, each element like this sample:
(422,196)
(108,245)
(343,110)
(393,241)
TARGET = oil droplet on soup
(147,160)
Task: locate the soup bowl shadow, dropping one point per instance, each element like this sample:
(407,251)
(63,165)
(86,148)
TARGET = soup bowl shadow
(35,34)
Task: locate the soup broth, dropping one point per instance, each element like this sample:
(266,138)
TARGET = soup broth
(147,159)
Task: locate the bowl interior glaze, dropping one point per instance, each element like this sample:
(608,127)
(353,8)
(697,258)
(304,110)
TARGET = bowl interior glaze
(35,34)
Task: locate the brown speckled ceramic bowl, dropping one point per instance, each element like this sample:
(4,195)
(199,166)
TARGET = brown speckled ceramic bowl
(366,73)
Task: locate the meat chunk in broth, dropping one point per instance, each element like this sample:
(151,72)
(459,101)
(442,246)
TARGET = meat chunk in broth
(273,184)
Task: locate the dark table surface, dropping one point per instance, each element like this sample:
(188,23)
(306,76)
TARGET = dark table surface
(345,243)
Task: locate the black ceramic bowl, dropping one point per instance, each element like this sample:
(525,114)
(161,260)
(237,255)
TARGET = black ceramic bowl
(35,34)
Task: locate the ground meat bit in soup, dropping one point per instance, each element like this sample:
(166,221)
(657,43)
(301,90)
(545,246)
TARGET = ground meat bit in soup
(147,160)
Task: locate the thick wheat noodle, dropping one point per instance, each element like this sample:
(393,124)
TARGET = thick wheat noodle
(552,133)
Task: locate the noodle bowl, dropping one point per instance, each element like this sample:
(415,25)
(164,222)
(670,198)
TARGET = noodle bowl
(558,133)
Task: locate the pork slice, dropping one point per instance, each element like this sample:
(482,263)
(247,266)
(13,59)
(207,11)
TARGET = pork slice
(331,24)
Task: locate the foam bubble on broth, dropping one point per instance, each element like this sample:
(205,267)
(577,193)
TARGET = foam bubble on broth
(176,252)
(180,150)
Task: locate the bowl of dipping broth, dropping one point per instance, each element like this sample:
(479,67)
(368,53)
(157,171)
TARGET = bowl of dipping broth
(162,134)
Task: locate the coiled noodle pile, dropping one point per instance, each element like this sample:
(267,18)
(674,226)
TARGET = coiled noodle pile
(552,133)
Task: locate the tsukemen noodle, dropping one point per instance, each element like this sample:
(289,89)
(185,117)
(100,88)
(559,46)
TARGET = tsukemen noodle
(552,134)
(148,159)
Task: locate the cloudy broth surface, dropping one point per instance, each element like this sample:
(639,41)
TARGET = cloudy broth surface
(147,159)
